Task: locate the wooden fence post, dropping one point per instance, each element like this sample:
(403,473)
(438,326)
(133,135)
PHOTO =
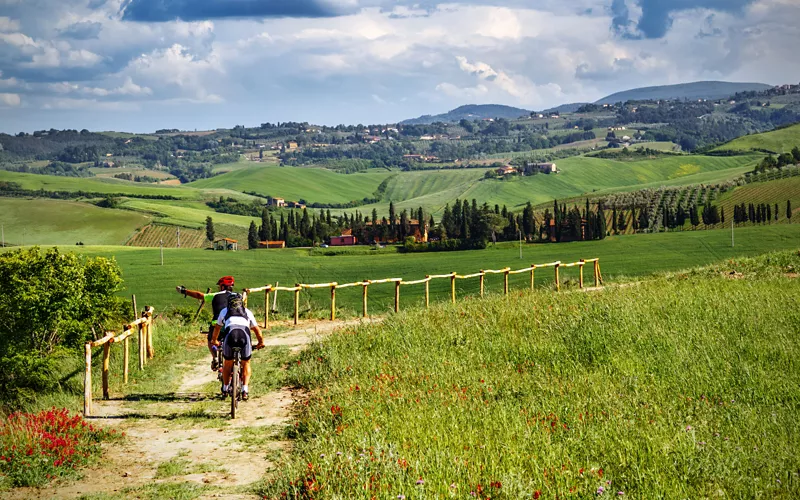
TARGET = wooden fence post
(297,303)
(596,274)
(533,270)
(333,301)
(364,298)
(266,308)
(151,352)
(453,287)
(599,274)
(135,309)
(505,282)
(482,280)
(427,291)
(397,296)
(558,282)
(141,346)
(580,276)
(125,359)
(106,357)
(87,381)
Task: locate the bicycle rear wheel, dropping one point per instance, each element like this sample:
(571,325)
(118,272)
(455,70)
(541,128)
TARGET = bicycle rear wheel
(235,388)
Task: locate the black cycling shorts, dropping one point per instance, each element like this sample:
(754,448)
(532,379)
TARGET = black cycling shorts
(238,337)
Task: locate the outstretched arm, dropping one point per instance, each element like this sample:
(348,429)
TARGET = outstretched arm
(190,293)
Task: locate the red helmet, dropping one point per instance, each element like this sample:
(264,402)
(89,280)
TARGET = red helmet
(225,281)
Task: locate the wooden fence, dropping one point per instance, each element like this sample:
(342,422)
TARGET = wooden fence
(399,282)
(144,326)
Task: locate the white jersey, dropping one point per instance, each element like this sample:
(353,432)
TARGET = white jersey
(235,321)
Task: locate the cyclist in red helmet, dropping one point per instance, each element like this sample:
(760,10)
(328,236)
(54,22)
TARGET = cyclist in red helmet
(219,301)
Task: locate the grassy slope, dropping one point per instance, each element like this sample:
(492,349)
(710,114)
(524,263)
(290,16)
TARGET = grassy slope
(190,214)
(779,141)
(670,389)
(43,221)
(634,255)
(581,175)
(312,184)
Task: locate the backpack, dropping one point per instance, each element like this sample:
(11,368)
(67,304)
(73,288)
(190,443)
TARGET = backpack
(235,306)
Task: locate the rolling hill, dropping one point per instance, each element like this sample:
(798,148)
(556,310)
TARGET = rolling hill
(781,140)
(694,90)
(470,112)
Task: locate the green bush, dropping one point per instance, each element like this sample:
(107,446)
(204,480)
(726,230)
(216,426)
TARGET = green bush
(49,302)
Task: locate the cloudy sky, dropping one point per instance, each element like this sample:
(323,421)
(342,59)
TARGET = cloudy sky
(139,65)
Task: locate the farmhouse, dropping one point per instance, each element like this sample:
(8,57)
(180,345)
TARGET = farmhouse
(272,244)
(226,244)
(344,240)
(506,170)
(277,202)
(291,145)
(295,204)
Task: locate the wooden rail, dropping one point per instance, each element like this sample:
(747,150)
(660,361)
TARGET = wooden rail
(144,327)
(399,282)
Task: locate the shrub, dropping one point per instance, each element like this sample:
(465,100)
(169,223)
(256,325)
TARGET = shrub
(37,448)
(49,302)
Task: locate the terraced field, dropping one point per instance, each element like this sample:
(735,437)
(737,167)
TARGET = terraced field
(295,183)
(777,141)
(57,222)
(153,234)
(772,192)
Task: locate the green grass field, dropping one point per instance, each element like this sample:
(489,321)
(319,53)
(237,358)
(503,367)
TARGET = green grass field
(623,256)
(295,183)
(674,388)
(778,141)
(55,222)
(98,185)
(185,213)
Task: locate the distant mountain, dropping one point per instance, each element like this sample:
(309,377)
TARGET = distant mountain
(470,112)
(695,90)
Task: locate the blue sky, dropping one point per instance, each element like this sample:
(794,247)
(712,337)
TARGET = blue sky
(140,65)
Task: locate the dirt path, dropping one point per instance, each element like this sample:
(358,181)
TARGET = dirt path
(188,437)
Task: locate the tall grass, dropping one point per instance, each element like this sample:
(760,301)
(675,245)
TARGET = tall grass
(682,387)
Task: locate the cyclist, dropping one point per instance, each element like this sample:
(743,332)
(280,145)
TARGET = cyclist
(238,321)
(219,301)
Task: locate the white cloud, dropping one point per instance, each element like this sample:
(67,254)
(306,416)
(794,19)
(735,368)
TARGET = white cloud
(178,68)
(90,104)
(10,100)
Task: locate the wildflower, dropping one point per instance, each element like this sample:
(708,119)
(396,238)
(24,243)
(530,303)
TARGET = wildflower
(322,455)
(338,453)
(600,490)
(537,494)
(620,493)
(688,428)
(401,497)
(420,481)
(452,486)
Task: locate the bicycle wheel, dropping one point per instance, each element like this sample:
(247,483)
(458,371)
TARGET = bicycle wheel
(235,388)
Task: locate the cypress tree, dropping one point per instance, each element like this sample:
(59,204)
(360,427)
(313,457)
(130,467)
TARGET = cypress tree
(722,215)
(601,222)
(209,229)
(769,213)
(776,211)
(252,236)
(694,216)
(557,218)
(263,229)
